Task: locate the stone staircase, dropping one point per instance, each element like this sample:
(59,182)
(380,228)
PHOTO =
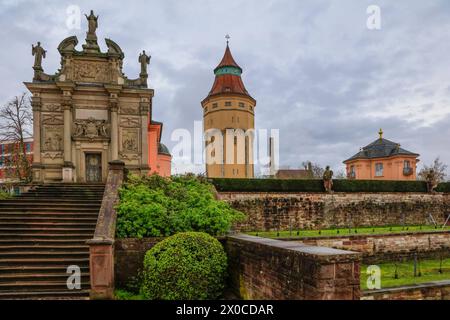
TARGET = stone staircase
(42,232)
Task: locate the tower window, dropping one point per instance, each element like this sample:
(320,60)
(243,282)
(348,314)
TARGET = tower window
(241,104)
(206,109)
(227,103)
(215,105)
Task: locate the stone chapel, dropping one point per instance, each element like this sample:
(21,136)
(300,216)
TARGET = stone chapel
(89,113)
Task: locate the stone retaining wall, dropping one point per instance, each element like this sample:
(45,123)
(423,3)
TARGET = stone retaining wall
(129,258)
(389,247)
(271,269)
(282,211)
(438,290)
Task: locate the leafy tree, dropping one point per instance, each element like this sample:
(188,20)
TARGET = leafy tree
(155,206)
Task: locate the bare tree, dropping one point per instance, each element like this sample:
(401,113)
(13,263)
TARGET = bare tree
(315,169)
(340,175)
(433,174)
(15,126)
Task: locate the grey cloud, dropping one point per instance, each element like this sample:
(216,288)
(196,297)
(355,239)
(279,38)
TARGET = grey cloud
(317,73)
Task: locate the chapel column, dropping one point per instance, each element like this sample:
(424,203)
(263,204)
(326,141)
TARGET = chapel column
(144,108)
(36,165)
(114,127)
(67,170)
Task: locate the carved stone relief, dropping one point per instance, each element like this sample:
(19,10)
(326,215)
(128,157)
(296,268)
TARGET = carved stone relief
(130,140)
(91,128)
(129,110)
(52,107)
(129,157)
(52,155)
(130,122)
(90,71)
(53,119)
(52,138)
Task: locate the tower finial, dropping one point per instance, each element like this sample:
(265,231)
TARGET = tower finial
(381,133)
(227,36)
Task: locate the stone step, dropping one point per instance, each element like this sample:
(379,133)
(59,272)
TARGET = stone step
(45,295)
(42,254)
(40,200)
(52,215)
(29,219)
(36,276)
(45,241)
(42,232)
(61,194)
(43,269)
(45,224)
(53,248)
(61,261)
(52,236)
(49,210)
(39,285)
(38,230)
(48,205)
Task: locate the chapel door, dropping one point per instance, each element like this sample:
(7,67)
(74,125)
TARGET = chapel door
(93,167)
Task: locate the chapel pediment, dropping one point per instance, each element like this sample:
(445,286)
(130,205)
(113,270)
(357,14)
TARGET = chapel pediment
(90,65)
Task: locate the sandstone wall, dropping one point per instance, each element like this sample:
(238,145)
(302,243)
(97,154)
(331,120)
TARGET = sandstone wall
(129,258)
(272,211)
(439,290)
(272,269)
(389,247)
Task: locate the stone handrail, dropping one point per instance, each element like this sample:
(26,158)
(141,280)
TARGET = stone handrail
(101,246)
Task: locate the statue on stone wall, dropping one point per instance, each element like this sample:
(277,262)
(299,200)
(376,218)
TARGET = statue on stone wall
(38,52)
(328,179)
(144,60)
(92,23)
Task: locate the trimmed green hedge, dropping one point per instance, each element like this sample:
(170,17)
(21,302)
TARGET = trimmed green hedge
(279,185)
(443,187)
(185,266)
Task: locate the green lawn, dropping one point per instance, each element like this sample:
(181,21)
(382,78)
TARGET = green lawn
(429,272)
(346,231)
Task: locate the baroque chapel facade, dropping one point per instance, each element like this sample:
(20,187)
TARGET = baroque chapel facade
(90,113)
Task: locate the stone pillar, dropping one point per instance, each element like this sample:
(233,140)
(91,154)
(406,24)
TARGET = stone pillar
(36,165)
(144,110)
(114,128)
(67,173)
(101,246)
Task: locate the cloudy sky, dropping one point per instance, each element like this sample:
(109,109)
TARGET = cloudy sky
(319,75)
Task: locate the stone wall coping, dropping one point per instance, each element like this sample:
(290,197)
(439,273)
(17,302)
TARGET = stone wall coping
(431,284)
(338,193)
(364,236)
(313,251)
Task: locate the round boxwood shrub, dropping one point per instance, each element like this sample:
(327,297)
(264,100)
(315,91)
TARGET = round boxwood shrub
(188,265)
